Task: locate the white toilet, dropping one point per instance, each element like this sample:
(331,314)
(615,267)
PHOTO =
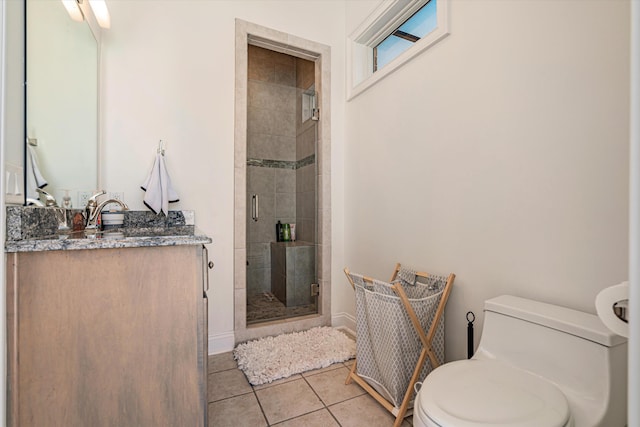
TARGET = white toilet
(537,365)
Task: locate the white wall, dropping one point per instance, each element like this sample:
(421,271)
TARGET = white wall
(500,154)
(168,73)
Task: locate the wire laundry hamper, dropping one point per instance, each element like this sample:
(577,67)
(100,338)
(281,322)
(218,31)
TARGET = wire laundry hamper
(399,334)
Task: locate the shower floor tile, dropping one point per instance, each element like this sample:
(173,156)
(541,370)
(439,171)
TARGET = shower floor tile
(265,306)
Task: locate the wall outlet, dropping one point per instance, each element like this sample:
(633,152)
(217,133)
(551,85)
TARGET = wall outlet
(83,198)
(117,195)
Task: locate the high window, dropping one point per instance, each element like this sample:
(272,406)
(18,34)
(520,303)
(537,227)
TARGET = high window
(406,35)
(392,35)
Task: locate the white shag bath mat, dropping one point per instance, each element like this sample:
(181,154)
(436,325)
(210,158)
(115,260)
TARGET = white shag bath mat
(271,358)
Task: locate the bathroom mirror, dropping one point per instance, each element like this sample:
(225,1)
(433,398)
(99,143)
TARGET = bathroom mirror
(61,102)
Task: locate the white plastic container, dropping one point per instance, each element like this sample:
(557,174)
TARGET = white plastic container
(112,219)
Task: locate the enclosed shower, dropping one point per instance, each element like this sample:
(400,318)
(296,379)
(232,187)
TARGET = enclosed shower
(281,189)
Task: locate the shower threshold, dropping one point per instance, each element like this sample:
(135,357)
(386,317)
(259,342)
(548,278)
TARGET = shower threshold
(264,307)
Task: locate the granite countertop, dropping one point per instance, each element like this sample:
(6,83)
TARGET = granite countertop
(140,230)
(117,238)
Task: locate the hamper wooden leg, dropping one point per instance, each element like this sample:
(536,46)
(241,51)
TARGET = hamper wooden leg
(351,372)
(377,396)
(407,396)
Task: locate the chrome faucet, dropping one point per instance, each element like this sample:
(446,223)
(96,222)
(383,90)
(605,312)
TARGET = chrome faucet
(94,208)
(49,200)
(34,202)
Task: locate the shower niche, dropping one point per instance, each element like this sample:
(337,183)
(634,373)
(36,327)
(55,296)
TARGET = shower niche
(281,185)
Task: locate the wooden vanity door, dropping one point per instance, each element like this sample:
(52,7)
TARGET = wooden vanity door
(109,337)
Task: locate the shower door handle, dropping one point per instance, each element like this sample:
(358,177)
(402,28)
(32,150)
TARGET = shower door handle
(254,207)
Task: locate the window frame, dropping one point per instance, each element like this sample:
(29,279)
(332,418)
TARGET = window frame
(384,20)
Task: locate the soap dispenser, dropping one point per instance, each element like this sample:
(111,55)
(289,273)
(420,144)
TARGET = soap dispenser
(66,200)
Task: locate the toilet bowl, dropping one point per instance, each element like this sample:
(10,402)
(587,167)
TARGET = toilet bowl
(537,365)
(488,392)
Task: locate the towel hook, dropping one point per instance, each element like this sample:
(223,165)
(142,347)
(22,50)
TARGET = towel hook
(161,146)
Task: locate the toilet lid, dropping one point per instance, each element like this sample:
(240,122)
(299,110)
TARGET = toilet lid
(472,393)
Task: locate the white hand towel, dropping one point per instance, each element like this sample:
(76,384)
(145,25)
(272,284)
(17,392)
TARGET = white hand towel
(34,176)
(158,188)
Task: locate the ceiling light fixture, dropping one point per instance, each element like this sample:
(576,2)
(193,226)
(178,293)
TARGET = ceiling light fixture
(74,10)
(99,8)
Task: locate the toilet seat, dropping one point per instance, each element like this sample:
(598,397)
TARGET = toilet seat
(472,393)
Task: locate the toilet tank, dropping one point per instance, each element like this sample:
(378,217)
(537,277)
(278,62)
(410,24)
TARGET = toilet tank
(572,349)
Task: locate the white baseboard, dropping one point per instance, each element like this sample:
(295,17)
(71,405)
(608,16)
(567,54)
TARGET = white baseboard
(344,320)
(221,343)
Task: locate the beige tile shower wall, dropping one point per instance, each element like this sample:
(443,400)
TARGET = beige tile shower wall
(305,178)
(306,203)
(305,73)
(260,181)
(305,147)
(271,135)
(271,130)
(306,140)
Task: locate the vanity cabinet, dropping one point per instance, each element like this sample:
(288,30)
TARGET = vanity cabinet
(107,337)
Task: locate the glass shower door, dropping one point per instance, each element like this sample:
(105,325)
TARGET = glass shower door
(281,187)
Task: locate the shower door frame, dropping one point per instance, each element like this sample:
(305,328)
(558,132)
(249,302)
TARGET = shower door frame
(249,33)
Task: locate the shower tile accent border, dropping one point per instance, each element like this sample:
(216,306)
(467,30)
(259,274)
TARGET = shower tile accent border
(309,160)
(282,164)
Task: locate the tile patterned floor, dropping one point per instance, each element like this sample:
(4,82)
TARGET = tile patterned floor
(315,398)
